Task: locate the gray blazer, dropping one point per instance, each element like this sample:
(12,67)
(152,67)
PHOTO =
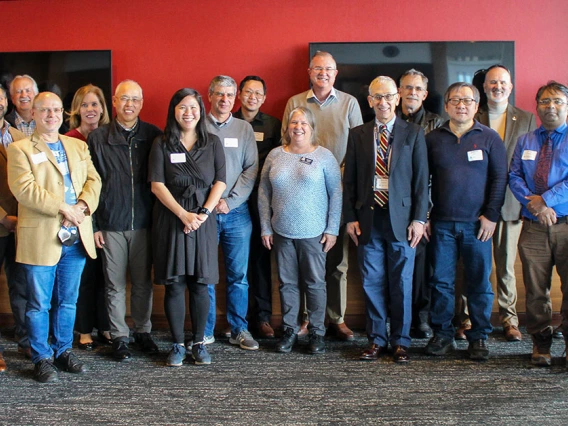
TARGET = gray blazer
(518,123)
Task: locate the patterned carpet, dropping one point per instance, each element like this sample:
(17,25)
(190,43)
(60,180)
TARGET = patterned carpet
(264,387)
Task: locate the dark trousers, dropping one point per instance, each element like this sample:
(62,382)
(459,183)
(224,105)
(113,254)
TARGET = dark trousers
(91,306)
(260,270)
(420,284)
(174,306)
(17,291)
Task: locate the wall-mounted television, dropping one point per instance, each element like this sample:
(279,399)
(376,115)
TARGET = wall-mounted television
(443,63)
(62,72)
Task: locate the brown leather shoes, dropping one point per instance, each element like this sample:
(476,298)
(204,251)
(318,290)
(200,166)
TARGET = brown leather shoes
(303,329)
(400,355)
(373,352)
(2,363)
(460,333)
(342,331)
(512,333)
(265,330)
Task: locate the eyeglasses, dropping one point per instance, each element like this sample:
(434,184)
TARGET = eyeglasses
(417,88)
(465,101)
(126,99)
(250,94)
(548,101)
(221,95)
(326,69)
(50,110)
(388,97)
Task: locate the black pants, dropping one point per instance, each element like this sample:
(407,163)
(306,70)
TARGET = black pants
(91,306)
(420,285)
(259,270)
(174,306)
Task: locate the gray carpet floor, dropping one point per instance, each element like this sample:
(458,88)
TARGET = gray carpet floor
(264,387)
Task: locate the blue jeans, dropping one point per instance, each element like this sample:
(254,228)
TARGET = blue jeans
(450,240)
(234,231)
(52,295)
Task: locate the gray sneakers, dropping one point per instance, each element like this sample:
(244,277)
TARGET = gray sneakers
(244,340)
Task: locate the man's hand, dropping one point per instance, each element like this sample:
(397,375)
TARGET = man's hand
(267,241)
(536,204)
(547,217)
(354,231)
(99,240)
(415,232)
(74,214)
(486,229)
(328,242)
(427,231)
(222,207)
(10,222)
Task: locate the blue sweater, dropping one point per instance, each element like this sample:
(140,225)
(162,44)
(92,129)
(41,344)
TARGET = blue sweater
(469,174)
(300,194)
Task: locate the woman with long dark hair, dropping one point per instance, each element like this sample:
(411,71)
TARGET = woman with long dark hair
(187,172)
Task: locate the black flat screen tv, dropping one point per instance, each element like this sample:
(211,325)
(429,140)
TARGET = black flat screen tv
(443,63)
(62,72)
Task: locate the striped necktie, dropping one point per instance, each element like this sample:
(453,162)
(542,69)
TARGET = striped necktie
(543,167)
(381,165)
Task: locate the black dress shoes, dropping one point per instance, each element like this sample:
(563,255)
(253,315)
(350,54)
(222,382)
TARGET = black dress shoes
(421,331)
(400,355)
(289,339)
(145,343)
(120,350)
(69,362)
(373,352)
(45,371)
(89,346)
(316,344)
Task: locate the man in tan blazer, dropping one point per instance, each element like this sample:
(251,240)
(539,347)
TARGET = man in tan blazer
(57,188)
(8,219)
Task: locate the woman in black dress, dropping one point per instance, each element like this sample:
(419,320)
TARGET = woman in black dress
(187,173)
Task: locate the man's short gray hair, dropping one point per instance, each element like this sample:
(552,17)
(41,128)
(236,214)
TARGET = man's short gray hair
(223,81)
(29,77)
(413,71)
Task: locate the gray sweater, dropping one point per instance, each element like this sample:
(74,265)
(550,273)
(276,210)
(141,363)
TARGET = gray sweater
(241,157)
(300,194)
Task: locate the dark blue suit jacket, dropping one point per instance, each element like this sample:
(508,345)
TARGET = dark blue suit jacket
(408,178)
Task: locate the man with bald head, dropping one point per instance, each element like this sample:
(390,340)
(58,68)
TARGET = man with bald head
(23,89)
(120,153)
(510,122)
(385,201)
(57,188)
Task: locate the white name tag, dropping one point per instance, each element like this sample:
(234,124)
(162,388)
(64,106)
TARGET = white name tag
(259,136)
(529,155)
(39,158)
(381,183)
(178,157)
(231,142)
(476,155)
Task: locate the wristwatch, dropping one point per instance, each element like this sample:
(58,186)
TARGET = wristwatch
(203,210)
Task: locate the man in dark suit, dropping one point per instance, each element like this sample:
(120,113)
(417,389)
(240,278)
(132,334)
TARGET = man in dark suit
(510,122)
(385,204)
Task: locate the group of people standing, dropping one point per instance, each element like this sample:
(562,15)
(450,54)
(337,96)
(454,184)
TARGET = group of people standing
(302,188)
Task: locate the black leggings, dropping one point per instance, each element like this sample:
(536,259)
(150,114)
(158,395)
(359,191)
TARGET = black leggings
(174,305)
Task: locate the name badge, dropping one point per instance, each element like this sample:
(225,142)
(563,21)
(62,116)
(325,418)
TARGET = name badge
(231,142)
(306,160)
(476,155)
(39,158)
(529,155)
(259,136)
(381,183)
(178,157)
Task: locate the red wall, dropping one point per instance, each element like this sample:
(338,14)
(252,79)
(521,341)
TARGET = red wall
(168,45)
